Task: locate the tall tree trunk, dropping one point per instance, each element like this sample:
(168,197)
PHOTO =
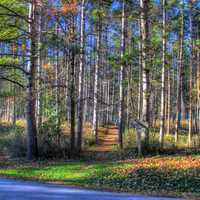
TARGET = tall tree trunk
(162,113)
(72,87)
(191,70)
(180,78)
(144,5)
(96,81)
(169,103)
(38,83)
(58,90)
(121,78)
(31,100)
(140,88)
(81,79)
(198,90)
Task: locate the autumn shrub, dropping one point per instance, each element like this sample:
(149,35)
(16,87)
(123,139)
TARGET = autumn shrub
(89,137)
(21,123)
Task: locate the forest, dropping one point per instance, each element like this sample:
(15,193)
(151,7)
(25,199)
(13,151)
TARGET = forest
(102,80)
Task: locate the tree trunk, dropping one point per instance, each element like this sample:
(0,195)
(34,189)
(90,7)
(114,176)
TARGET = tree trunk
(140,88)
(180,78)
(162,113)
(144,4)
(191,70)
(96,81)
(32,148)
(169,103)
(72,87)
(81,79)
(121,78)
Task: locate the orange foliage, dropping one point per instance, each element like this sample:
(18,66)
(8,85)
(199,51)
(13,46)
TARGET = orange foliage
(163,163)
(14,49)
(70,7)
(46,66)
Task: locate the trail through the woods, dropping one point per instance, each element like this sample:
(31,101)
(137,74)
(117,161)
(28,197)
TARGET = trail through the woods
(108,138)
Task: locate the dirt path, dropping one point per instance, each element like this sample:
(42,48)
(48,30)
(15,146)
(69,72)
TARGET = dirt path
(108,138)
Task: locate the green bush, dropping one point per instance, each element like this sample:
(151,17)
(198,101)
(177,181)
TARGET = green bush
(52,143)
(14,143)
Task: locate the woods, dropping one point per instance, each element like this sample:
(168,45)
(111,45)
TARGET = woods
(69,68)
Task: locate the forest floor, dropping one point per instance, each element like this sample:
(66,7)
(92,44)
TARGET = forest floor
(175,175)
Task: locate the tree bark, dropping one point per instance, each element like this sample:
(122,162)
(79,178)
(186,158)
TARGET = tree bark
(32,148)
(96,80)
(180,78)
(121,78)
(190,82)
(81,79)
(144,4)
(162,113)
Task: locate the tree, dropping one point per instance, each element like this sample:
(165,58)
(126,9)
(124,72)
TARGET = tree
(96,72)
(162,113)
(180,76)
(81,78)
(122,76)
(144,5)
(190,78)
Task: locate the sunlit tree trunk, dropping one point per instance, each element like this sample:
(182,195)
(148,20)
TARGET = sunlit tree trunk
(162,113)
(31,99)
(144,4)
(191,70)
(81,79)
(96,80)
(180,77)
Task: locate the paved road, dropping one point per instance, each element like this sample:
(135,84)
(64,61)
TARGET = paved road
(27,190)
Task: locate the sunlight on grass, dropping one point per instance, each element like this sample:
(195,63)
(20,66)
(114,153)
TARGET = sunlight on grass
(167,175)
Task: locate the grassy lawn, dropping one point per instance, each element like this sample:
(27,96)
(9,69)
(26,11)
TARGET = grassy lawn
(169,176)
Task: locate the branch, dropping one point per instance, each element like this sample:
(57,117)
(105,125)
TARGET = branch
(15,67)
(12,81)
(14,54)
(10,39)
(25,18)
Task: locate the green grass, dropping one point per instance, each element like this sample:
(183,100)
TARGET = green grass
(168,176)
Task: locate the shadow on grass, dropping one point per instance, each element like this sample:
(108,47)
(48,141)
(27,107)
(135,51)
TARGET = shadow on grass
(170,176)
